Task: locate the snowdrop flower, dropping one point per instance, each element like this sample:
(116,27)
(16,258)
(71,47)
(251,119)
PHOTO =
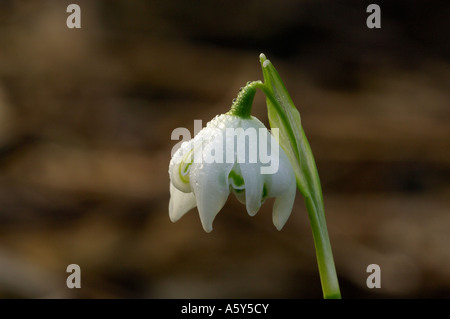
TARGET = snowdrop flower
(230,155)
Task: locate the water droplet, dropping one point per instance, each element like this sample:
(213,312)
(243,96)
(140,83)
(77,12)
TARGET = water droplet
(234,100)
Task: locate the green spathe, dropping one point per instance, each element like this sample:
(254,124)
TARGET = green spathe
(284,115)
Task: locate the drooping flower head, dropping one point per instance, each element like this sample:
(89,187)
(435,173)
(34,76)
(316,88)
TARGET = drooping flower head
(234,153)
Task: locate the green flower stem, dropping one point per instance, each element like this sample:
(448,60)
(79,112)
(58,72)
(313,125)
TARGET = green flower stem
(284,115)
(327,270)
(242,105)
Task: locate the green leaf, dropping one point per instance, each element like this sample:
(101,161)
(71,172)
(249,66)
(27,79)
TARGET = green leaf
(284,115)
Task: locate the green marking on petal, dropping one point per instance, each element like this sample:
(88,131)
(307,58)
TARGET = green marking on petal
(183,169)
(265,191)
(237,181)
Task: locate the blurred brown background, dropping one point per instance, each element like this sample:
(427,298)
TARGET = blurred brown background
(86,117)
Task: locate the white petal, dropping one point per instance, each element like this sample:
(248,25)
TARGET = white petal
(282,186)
(282,207)
(254,184)
(180,203)
(209,179)
(282,180)
(210,185)
(252,122)
(251,172)
(240,195)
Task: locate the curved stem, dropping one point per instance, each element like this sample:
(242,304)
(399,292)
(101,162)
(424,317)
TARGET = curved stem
(324,254)
(242,105)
